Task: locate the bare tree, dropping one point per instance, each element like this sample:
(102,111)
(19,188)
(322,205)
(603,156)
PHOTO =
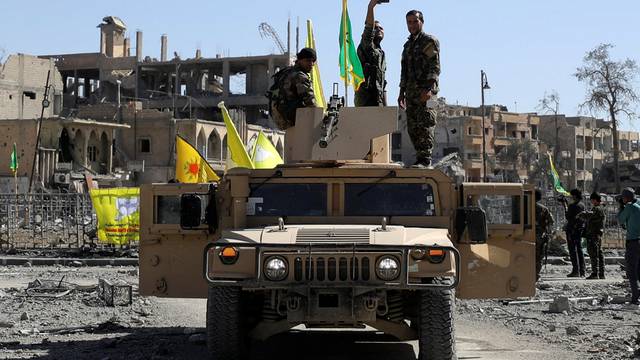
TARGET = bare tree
(609,89)
(550,104)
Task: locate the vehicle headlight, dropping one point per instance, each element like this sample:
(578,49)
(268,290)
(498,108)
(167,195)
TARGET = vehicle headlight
(388,268)
(275,268)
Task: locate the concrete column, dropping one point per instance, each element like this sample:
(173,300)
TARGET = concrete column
(226,76)
(76,86)
(87,87)
(270,70)
(127,47)
(163,47)
(139,45)
(169,82)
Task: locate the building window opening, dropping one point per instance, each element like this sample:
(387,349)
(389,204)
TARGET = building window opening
(144,146)
(396,141)
(30,94)
(92,153)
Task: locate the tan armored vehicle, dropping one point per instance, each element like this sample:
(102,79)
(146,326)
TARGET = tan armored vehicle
(336,244)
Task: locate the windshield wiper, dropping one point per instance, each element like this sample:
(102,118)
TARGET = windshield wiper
(390,174)
(276,174)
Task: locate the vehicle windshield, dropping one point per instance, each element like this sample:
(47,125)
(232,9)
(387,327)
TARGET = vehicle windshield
(389,200)
(287,200)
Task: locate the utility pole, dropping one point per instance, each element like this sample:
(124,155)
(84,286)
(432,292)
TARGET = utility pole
(484,85)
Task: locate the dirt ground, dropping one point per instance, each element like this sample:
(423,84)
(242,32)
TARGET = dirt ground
(80,325)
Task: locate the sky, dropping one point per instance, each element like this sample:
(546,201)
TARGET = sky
(527,47)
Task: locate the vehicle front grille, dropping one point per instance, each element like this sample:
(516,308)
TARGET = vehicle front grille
(332,268)
(312,236)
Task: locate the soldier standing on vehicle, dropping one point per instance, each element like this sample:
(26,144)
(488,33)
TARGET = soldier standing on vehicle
(574,228)
(292,89)
(418,84)
(629,217)
(372,57)
(544,221)
(593,232)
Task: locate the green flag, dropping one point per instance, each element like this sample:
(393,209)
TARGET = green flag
(557,186)
(14,159)
(350,66)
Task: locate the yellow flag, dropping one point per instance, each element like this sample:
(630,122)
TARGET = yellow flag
(118,212)
(191,167)
(237,155)
(315,72)
(265,155)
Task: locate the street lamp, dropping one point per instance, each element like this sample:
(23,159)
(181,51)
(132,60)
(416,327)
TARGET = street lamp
(484,85)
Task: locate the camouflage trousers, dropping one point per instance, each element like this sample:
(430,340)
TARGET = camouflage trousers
(421,122)
(541,245)
(594,249)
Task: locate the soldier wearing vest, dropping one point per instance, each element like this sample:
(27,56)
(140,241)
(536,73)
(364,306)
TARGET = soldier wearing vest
(292,89)
(593,232)
(544,221)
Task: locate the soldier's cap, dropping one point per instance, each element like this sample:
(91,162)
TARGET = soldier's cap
(628,193)
(307,53)
(595,196)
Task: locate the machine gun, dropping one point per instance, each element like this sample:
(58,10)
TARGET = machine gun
(330,120)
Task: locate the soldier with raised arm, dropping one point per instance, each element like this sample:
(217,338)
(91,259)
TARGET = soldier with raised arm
(372,58)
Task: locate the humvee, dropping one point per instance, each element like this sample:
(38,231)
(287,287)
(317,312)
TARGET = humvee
(324,243)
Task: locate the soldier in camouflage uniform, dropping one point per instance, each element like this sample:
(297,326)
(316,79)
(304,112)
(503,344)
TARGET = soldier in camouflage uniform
(544,221)
(593,233)
(372,57)
(295,89)
(418,84)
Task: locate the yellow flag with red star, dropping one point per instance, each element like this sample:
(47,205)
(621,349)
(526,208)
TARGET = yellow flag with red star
(191,166)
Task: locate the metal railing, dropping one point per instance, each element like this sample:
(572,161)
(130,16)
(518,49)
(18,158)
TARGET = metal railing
(47,221)
(613,231)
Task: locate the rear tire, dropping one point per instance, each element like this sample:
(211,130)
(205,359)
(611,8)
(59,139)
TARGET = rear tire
(436,325)
(226,334)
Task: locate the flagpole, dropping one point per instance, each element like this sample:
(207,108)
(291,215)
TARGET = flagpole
(344,47)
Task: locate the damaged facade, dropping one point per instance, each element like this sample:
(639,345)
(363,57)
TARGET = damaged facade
(115,116)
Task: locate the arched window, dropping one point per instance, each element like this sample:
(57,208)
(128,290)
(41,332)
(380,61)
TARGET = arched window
(201,143)
(224,148)
(214,147)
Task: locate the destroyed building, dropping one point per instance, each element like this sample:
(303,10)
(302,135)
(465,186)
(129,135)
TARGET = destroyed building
(584,145)
(115,116)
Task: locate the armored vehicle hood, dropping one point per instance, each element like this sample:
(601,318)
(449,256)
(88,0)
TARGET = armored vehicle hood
(341,234)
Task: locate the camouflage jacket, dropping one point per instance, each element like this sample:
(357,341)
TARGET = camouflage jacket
(374,65)
(295,91)
(595,221)
(298,89)
(420,63)
(544,220)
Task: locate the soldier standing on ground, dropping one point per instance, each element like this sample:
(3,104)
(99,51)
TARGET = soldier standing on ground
(574,230)
(629,217)
(418,84)
(593,232)
(544,221)
(293,89)
(372,57)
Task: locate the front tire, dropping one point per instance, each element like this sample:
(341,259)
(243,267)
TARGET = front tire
(436,325)
(226,335)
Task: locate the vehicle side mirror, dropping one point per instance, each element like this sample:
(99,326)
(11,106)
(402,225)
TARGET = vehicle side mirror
(190,211)
(474,220)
